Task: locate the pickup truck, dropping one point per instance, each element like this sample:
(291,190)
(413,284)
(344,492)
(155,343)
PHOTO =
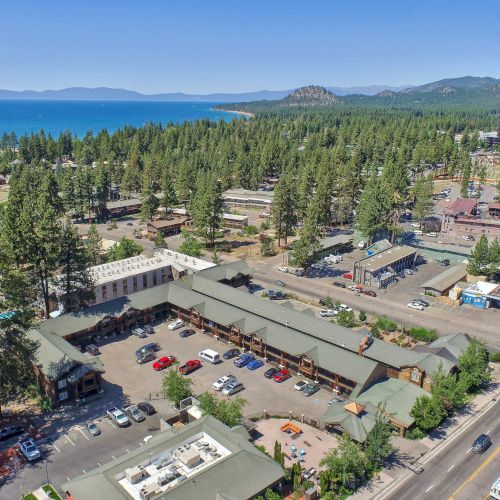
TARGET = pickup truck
(118,417)
(189,366)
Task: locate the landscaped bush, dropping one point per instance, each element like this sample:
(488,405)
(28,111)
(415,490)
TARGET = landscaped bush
(415,434)
(495,357)
(386,324)
(375,331)
(362,316)
(423,334)
(251,230)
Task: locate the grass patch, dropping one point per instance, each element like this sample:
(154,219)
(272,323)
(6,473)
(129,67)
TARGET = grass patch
(49,489)
(29,496)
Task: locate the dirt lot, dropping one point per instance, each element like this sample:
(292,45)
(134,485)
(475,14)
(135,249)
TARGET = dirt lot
(262,394)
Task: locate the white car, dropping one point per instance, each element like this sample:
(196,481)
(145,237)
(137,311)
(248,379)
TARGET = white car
(345,308)
(408,271)
(415,224)
(223,381)
(283,269)
(414,305)
(300,385)
(29,449)
(176,324)
(328,313)
(432,234)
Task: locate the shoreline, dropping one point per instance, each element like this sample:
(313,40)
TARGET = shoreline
(244,113)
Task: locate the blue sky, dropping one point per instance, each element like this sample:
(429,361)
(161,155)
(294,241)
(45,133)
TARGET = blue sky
(235,45)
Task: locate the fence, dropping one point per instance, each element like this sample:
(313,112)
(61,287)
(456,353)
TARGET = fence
(289,415)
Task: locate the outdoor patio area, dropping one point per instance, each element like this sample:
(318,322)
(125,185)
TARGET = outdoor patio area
(314,442)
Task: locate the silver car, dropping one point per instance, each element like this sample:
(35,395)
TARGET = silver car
(139,332)
(92,429)
(232,388)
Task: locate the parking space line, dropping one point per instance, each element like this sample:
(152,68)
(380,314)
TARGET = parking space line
(111,423)
(54,445)
(84,471)
(68,478)
(83,434)
(99,464)
(69,440)
(113,457)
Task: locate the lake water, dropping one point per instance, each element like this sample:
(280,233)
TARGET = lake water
(25,117)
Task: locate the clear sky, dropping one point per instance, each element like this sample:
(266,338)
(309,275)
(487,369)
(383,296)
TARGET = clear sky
(203,46)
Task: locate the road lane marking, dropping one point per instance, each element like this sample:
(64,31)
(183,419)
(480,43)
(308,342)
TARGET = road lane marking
(469,450)
(113,457)
(128,451)
(487,432)
(84,471)
(53,444)
(451,467)
(83,434)
(68,478)
(475,473)
(429,488)
(99,464)
(67,437)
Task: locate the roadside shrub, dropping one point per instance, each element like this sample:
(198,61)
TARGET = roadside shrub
(495,357)
(415,433)
(362,316)
(250,230)
(423,334)
(375,332)
(386,324)
(328,303)
(266,224)
(347,319)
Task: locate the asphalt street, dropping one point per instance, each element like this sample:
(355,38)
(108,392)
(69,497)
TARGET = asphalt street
(453,471)
(313,289)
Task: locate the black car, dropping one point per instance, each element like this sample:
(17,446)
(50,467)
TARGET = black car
(186,333)
(445,262)
(146,408)
(421,302)
(340,284)
(481,443)
(271,372)
(231,353)
(146,357)
(12,430)
(151,347)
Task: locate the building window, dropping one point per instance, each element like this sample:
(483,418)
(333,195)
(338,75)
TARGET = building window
(155,279)
(163,275)
(104,292)
(134,283)
(61,384)
(63,396)
(115,290)
(144,281)
(415,375)
(125,287)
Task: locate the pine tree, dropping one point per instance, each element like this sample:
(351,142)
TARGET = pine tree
(480,257)
(169,197)
(102,186)
(150,204)
(422,192)
(74,283)
(94,246)
(284,214)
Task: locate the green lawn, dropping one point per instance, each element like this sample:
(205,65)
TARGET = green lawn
(48,489)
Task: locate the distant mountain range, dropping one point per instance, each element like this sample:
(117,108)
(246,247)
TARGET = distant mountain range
(449,85)
(110,94)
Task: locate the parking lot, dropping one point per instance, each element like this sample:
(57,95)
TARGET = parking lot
(260,393)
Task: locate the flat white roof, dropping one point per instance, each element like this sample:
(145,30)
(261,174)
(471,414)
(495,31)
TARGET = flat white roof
(121,269)
(165,470)
(482,287)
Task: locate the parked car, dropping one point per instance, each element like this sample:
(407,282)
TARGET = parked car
(344,307)
(139,332)
(163,363)
(408,271)
(243,360)
(282,375)
(176,324)
(146,357)
(10,431)
(310,389)
(118,417)
(92,429)
(347,276)
(299,386)
(421,302)
(232,388)
(415,305)
(218,385)
(279,283)
(482,442)
(495,489)
(231,353)
(190,366)
(134,412)
(271,372)
(151,347)
(328,313)
(339,284)
(369,293)
(432,234)
(148,329)
(29,449)
(336,399)
(275,295)
(186,333)
(468,237)
(146,408)
(254,364)
(92,349)
(415,224)
(445,262)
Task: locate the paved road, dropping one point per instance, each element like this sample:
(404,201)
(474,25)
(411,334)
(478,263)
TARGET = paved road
(313,289)
(454,471)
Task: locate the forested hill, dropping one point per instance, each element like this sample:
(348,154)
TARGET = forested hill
(311,95)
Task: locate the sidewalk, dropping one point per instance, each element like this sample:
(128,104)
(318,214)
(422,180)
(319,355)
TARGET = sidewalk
(417,451)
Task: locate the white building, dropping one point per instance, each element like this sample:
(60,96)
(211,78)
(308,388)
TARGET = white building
(123,277)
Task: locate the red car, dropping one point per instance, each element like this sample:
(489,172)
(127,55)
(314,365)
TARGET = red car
(347,276)
(369,293)
(163,363)
(282,375)
(189,366)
